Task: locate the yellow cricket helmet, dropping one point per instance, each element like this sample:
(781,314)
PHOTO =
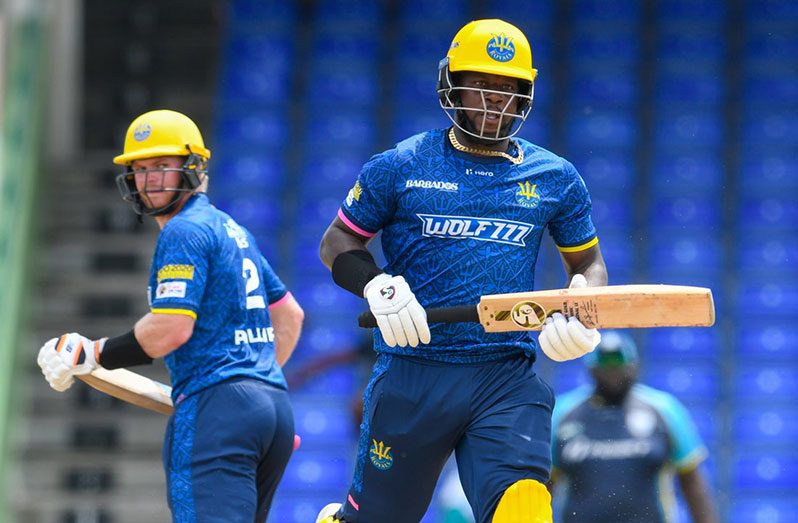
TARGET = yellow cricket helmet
(162,133)
(493,47)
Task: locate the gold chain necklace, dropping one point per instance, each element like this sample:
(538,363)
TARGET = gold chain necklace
(516,160)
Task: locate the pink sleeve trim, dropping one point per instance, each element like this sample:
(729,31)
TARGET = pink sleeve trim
(354,227)
(281,300)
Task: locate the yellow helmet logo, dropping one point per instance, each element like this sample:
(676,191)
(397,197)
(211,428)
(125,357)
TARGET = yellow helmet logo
(162,133)
(494,47)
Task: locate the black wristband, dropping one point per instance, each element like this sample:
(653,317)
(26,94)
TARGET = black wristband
(352,270)
(123,351)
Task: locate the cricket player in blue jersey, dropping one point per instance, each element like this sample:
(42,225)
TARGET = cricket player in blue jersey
(462,213)
(221,318)
(618,445)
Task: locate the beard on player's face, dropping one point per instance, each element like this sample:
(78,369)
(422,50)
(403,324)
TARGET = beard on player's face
(471,120)
(613,384)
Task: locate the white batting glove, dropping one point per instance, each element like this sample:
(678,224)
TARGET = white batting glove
(68,356)
(401,319)
(566,339)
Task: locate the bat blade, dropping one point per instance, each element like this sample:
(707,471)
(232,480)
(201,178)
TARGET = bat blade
(612,306)
(132,388)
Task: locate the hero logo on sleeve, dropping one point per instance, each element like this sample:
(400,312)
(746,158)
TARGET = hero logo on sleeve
(484,229)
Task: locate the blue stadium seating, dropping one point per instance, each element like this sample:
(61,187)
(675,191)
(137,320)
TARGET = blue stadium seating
(755,507)
(689,212)
(335,383)
(609,47)
(775,299)
(255,86)
(249,129)
(348,12)
(687,128)
(777,126)
(768,172)
(765,470)
(688,87)
(763,215)
(321,423)
(605,87)
(701,170)
(768,339)
(687,381)
(265,12)
(342,46)
(317,469)
(696,10)
(617,129)
(675,45)
(762,425)
(604,11)
(765,384)
(682,344)
(684,253)
(774,255)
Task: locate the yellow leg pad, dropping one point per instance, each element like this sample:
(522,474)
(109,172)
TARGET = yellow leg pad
(525,501)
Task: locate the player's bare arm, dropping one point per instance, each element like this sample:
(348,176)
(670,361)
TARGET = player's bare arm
(696,493)
(337,239)
(287,317)
(160,334)
(589,263)
(564,338)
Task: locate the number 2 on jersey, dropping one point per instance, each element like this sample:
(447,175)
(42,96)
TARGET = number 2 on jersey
(252,277)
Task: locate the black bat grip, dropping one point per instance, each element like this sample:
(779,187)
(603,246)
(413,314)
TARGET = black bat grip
(458,314)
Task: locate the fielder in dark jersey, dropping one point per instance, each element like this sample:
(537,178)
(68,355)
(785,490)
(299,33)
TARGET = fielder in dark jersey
(462,213)
(221,318)
(618,445)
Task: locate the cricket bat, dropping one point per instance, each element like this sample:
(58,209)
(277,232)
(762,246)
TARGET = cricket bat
(612,306)
(132,388)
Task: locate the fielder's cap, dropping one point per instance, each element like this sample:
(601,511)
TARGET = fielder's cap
(616,349)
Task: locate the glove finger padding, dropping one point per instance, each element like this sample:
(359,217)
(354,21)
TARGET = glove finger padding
(419,317)
(408,327)
(567,348)
(385,330)
(549,341)
(585,338)
(398,330)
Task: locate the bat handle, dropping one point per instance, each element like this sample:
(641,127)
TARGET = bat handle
(458,314)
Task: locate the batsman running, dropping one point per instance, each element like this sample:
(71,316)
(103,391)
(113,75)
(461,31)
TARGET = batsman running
(462,213)
(221,318)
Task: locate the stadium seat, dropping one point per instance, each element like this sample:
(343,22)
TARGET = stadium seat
(687,128)
(615,129)
(348,12)
(333,127)
(272,51)
(776,255)
(601,11)
(763,215)
(606,87)
(698,11)
(612,212)
(765,470)
(675,45)
(749,507)
(774,300)
(246,129)
(700,170)
(767,339)
(765,384)
(606,172)
(317,469)
(687,88)
(253,169)
(687,382)
(255,86)
(689,213)
(762,425)
(349,86)
(617,48)
(243,12)
(335,383)
(433,13)
(686,253)
(683,344)
(777,126)
(321,423)
(770,87)
(768,172)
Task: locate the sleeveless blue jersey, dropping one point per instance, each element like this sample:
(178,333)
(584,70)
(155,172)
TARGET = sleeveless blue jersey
(208,267)
(616,463)
(458,226)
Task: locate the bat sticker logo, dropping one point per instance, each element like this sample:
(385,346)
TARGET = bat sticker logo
(528,314)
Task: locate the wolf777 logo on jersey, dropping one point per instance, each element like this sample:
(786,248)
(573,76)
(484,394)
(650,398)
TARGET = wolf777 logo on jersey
(468,227)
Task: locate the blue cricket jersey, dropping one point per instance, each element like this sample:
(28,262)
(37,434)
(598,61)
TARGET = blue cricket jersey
(208,267)
(616,463)
(458,226)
